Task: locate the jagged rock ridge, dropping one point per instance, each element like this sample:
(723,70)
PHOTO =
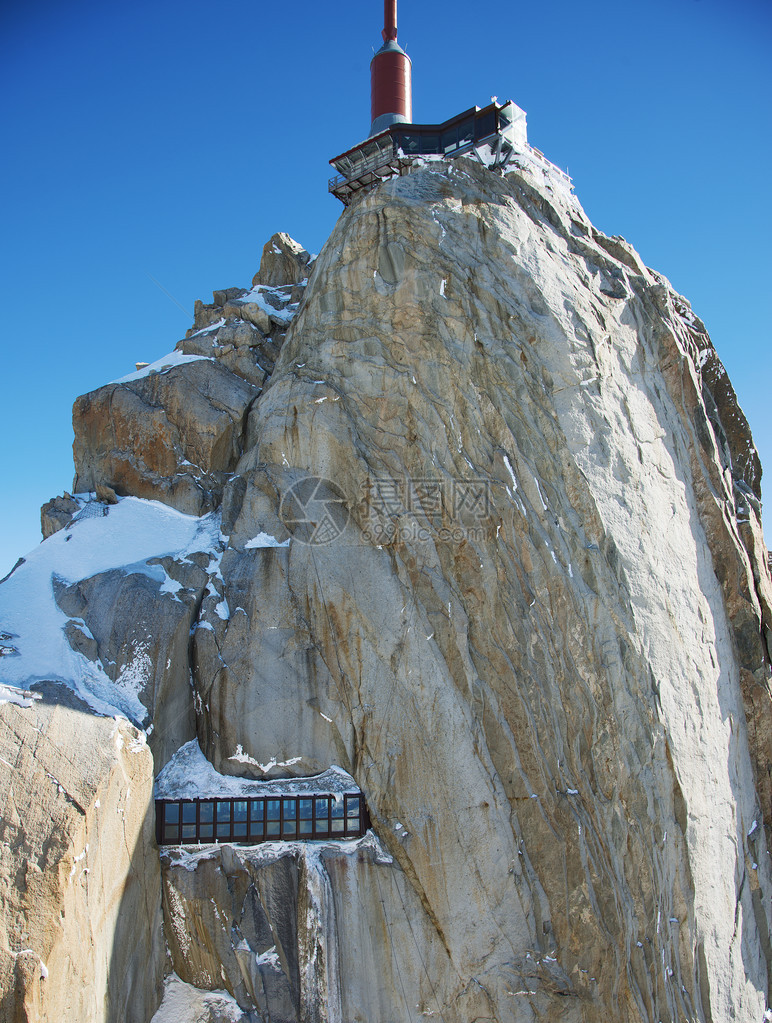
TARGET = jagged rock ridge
(540,645)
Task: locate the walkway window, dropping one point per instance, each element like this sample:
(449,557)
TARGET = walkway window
(206,821)
(284,817)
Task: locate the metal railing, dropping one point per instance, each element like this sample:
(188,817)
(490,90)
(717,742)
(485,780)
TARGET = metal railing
(379,161)
(275,818)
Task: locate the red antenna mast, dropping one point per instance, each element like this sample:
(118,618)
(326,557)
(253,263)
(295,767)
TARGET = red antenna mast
(391,92)
(389,20)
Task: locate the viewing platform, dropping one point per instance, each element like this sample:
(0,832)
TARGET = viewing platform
(498,129)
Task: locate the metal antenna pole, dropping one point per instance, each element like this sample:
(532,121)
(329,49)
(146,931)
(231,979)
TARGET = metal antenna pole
(389,20)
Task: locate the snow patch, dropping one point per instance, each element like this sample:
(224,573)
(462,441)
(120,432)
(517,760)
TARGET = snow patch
(269,958)
(265,540)
(21,697)
(189,857)
(166,362)
(134,532)
(189,775)
(133,678)
(172,586)
(182,1001)
(283,316)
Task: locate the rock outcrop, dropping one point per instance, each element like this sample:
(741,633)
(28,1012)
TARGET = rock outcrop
(57,513)
(174,430)
(136,435)
(79,875)
(284,262)
(490,541)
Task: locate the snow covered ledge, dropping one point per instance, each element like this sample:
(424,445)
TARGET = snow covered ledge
(196,805)
(189,775)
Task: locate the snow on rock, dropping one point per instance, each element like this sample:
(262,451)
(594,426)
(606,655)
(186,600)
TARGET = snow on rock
(133,532)
(183,1003)
(189,775)
(21,697)
(279,310)
(243,758)
(166,362)
(190,856)
(269,958)
(265,540)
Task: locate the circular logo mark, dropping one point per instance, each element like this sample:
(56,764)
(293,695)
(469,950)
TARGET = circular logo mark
(314,510)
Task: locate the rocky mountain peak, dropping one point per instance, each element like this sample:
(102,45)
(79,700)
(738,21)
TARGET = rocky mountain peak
(470,514)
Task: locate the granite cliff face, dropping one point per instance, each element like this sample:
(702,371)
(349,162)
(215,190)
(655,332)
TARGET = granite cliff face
(479,524)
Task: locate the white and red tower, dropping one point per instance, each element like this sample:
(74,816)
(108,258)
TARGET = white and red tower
(391,94)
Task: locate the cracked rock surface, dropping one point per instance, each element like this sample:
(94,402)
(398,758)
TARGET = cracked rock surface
(489,540)
(79,876)
(557,702)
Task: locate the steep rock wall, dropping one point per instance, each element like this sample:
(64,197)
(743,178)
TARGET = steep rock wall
(491,542)
(549,709)
(81,935)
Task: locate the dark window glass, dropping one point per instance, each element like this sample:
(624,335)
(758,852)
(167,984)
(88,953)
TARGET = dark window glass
(449,140)
(285,817)
(430,143)
(485,126)
(465,133)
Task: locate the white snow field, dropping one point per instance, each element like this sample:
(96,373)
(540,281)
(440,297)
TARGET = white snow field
(102,537)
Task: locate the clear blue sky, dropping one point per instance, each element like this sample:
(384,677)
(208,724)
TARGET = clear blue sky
(169,139)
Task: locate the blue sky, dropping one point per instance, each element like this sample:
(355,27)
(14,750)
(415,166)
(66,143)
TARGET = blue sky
(169,141)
